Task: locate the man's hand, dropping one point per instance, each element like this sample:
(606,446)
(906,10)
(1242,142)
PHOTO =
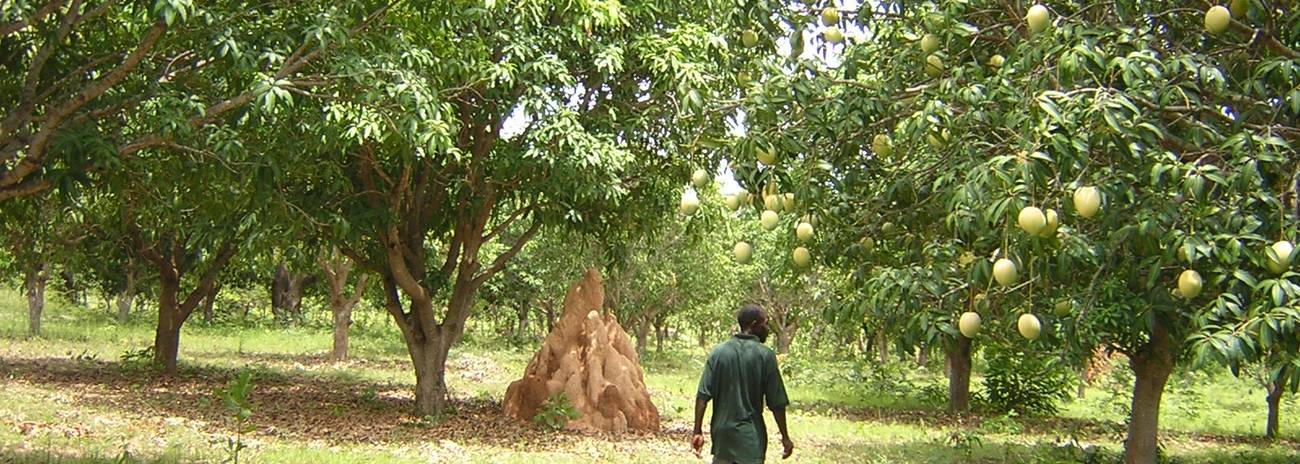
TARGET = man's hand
(789,447)
(697,443)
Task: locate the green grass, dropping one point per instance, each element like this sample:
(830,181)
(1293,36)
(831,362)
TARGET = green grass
(64,397)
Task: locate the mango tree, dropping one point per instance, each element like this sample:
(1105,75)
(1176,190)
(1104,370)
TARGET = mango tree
(1160,145)
(81,69)
(462,123)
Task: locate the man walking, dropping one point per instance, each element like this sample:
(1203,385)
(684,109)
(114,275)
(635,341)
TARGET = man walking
(740,374)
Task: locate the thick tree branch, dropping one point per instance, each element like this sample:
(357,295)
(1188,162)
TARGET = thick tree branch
(33,160)
(506,223)
(209,279)
(504,258)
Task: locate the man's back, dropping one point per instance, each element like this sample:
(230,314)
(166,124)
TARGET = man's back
(740,374)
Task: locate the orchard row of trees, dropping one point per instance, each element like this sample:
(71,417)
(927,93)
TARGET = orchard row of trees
(408,150)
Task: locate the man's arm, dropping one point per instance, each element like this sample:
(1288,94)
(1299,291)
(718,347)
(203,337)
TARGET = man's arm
(777,401)
(697,440)
(787,444)
(702,396)
(700,406)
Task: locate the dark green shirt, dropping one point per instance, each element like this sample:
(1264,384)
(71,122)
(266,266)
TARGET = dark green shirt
(738,376)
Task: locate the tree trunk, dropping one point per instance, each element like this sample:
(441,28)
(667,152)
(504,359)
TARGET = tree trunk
(550,316)
(167,337)
(783,340)
(661,332)
(430,359)
(34,287)
(1151,368)
(882,346)
(815,338)
(958,358)
(70,285)
(922,355)
(521,326)
(336,277)
(1275,391)
(280,294)
(127,297)
(642,336)
(208,314)
(342,320)
(704,336)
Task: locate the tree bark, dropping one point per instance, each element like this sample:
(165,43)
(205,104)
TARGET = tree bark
(882,346)
(661,332)
(430,360)
(167,336)
(922,356)
(208,313)
(783,340)
(127,296)
(341,305)
(550,315)
(1151,368)
(34,287)
(1275,391)
(959,365)
(642,336)
(521,326)
(286,294)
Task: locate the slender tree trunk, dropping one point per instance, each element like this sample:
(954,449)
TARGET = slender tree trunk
(294,301)
(280,293)
(1275,391)
(783,340)
(661,332)
(704,336)
(642,336)
(208,313)
(127,297)
(815,338)
(341,305)
(882,346)
(922,355)
(342,320)
(521,326)
(167,336)
(958,358)
(1151,368)
(34,287)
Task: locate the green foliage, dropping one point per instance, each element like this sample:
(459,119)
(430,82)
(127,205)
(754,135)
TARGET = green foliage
(1025,382)
(235,398)
(137,360)
(555,412)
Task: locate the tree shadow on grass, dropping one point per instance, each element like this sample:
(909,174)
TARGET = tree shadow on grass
(286,405)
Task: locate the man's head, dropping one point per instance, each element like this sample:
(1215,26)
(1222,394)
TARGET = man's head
(753,321)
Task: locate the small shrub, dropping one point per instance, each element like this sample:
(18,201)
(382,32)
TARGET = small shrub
(236,399)
(1006,424)
(1026,383)
(964,442)
(137,359)
(555,412)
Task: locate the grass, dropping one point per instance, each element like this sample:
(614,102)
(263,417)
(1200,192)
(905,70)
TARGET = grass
(65,397)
